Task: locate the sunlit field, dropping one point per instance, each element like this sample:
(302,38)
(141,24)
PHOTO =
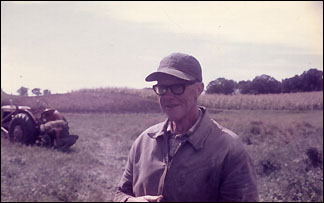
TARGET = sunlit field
(285,101)
(124,100)
(286,145)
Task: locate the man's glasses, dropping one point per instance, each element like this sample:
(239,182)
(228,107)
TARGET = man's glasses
(176,89)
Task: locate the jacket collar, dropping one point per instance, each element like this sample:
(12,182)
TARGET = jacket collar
(198,137)
(160,130)
(204,128)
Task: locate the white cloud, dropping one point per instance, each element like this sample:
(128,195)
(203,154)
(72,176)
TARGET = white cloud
(119,43)
(27,2)
(294,23)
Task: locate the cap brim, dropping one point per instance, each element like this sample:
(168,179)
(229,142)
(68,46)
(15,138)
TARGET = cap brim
(156,75)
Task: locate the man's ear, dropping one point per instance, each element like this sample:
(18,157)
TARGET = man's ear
(200,88)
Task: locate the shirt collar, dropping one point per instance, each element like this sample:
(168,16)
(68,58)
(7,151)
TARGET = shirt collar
(190,131)
(200,134)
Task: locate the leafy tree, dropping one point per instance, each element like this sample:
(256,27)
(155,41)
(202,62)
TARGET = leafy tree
(244,87)
(36,91)
(265,84)
(23,91)
(221,86)
(312,80)
(46,92)
(293,84)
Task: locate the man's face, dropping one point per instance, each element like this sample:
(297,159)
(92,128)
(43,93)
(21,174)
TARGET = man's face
(179,107)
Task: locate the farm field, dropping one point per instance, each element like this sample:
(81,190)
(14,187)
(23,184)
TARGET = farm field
(119,100)
(286,147)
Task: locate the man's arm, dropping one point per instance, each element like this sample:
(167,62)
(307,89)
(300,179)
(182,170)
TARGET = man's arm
(239,182)
(125,187)
(124,191)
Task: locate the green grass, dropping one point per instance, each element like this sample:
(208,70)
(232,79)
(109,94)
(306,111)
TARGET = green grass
(278,130)
(276,140)
(90,172)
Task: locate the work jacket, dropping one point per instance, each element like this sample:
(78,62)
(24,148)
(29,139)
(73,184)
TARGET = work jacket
(212,165)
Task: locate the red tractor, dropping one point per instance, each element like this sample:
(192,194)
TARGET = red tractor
(43,127)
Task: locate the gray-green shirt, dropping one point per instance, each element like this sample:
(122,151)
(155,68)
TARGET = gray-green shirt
(176,140)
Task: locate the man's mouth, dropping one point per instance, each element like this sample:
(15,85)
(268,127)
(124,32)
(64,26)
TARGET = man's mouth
(170,106)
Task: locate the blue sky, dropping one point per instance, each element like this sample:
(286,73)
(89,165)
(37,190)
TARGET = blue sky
(64,46)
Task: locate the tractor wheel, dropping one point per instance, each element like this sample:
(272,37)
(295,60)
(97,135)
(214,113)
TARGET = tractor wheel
(22,129)
(45,141)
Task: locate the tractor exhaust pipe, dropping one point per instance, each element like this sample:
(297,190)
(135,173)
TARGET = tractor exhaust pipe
(4,130)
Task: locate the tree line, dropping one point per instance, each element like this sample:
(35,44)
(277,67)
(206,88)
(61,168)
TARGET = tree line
(311,80)
(308,81)
(23,91)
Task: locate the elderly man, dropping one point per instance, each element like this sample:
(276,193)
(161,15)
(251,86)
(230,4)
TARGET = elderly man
(188,157)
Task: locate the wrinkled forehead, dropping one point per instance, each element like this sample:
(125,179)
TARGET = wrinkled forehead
(170,80)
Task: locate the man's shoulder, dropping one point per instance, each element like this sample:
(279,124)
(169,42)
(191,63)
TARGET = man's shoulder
(224,131)
(224,137)
(155,128)
(152,131)
(217,129)
(148,136)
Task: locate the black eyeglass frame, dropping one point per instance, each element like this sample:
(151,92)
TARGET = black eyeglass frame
(166,87)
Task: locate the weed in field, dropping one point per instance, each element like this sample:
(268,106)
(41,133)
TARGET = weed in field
(278,143)
(315,157)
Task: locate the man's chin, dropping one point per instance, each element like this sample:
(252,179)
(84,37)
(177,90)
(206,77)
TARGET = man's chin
(172,116)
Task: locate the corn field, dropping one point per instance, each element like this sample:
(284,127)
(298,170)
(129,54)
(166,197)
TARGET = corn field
(144,100)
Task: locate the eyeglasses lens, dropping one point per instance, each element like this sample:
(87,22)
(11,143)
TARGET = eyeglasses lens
(175,89)
(160,90)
